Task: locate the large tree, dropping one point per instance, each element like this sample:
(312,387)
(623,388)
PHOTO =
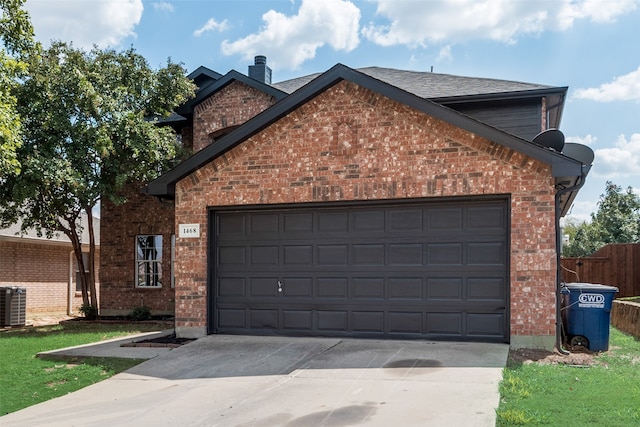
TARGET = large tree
(90,127)
(617,220)
(16,43)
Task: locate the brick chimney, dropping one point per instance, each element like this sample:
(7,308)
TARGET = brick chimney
(260,71)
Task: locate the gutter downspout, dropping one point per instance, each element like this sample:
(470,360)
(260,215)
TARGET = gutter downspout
(559,193)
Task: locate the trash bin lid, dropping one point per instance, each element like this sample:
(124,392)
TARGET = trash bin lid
(576,286)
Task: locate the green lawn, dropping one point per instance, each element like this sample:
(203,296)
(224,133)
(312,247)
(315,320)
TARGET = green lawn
(606,393)
(26,380)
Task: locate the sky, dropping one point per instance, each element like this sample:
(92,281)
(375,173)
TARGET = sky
(590,46)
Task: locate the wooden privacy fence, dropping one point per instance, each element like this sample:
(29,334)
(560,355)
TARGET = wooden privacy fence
(614,265)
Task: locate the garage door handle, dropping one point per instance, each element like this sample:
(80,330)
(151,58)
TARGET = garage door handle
(279,286)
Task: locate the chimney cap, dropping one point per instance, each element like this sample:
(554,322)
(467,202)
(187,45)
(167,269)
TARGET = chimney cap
(260,60)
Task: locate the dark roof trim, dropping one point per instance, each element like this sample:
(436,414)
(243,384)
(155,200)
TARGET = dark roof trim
(224,81)
(165,185)
(502,96)
(204,71)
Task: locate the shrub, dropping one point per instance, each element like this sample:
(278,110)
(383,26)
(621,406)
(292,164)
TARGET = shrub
(141,313)
(89,311)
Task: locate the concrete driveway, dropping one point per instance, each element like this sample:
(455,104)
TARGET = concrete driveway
(223,380)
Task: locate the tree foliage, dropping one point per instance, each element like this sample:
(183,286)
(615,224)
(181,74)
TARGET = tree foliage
(89,129)
(16,44)
(617,220)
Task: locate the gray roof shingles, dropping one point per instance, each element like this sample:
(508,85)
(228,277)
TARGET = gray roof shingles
(426,84)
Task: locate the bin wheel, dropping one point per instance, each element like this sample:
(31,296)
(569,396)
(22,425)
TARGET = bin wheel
(579,341)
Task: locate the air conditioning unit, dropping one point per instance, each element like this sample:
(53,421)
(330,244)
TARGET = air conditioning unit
(13,304)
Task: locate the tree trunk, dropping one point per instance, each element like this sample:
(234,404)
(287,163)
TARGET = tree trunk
(76,243)
(92,259)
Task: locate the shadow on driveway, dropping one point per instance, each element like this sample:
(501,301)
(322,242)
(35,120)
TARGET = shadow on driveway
(222,356)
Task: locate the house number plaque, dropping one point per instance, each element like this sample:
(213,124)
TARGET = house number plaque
(189,230)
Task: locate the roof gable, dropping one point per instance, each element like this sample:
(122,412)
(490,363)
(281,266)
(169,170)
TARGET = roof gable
(213,87)
(165,185)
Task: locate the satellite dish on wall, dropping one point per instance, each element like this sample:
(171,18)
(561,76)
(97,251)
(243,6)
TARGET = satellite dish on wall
(550,138)
(579,152)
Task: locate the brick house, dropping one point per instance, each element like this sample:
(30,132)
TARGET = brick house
(46,268)
(371,203)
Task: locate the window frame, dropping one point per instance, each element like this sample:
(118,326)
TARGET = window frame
(154,264)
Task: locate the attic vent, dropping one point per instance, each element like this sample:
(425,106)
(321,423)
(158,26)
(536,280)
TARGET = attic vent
(260,70)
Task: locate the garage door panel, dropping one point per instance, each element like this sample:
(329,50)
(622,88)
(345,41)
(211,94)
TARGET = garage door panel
(297,223)
(231,318)
(405,288)
(486,253)
(298,255)
(405,254)
(333,254)
(487,217)
(264,256)
(445,324)
(449,219)
(368,221)
(444,288)
(333,222)
(367,254)
(231,287)
(332,287)
(297,287)
(444,253)
(371,288)
(232,256)
(485,324)
(368,321)
(406,219)
(486,289)
(264,319)
(332,320)
(405,322)
(264,223)
(263,287)
(230,226)
(431,270)
(301,320)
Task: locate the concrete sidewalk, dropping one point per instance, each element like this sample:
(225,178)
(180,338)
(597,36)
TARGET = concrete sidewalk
(112,348)
(225,380)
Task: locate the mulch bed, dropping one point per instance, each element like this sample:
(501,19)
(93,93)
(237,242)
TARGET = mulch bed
(525,356)
(170,341)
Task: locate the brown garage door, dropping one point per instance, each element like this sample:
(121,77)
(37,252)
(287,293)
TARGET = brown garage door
(424,270)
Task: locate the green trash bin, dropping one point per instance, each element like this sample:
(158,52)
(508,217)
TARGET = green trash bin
(586,314)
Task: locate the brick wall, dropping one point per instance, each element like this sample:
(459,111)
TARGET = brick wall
(43,269)
(228,108)
(351,144)
(120,224)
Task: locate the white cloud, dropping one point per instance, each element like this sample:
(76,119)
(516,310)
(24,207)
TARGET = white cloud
(622,160)
(416,23)
(212,25)
(622,88)
(288,41)
(163,6)
(601,11)
(589,140)
(445,54)
(85,23)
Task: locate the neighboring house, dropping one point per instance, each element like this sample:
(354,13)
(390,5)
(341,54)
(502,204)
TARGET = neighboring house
(370,203)
(46,268)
